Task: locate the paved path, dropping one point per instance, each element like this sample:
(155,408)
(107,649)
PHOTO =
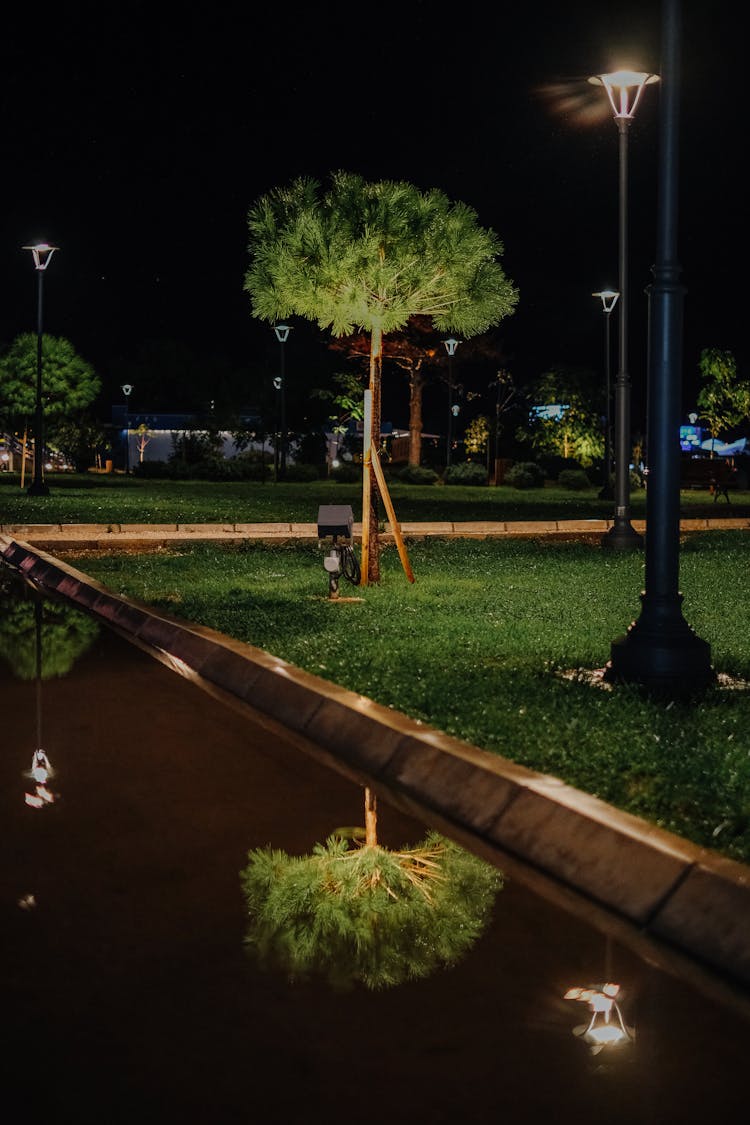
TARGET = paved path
(110,536)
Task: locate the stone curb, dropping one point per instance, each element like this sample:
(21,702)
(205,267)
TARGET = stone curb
(696,900)
(141,536)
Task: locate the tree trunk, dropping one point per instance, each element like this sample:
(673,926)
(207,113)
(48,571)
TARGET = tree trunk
(416,385)
(376,370)
(371,819)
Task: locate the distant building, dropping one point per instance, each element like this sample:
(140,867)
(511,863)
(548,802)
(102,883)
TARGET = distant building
(151,435)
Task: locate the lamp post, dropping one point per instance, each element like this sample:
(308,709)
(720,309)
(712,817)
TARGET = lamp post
(624,89)
(450,346)
(660,650)
(609,300)
(282,334)
(42,253)
(127,390)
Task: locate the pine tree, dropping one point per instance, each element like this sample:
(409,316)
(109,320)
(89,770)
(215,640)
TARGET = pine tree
(367,256)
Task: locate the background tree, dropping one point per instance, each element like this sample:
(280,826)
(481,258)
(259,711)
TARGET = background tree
(366,257)
(413,349)
(69,384)
(724,399)
(79,438)
(574,431)
(476,435)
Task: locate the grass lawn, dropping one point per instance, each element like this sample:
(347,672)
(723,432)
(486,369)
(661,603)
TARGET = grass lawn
(91,498)
(476,647)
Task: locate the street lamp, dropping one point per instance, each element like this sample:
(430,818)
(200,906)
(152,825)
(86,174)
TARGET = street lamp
(450,346)
(624,89)
(609,300)
(279,462)
(660,650)
(127,390)
(42,253)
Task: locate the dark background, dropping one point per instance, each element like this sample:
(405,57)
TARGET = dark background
(137,136)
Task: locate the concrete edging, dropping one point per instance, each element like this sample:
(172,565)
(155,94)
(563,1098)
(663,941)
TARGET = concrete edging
(694,899)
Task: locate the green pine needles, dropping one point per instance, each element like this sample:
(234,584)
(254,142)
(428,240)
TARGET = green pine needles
(365,914)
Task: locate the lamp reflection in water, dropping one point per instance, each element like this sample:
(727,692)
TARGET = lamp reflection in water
(606,1028)
(41,772)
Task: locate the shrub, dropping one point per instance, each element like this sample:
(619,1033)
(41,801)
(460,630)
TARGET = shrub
(465,472)
(574,479)
(525,474)
(300,473)
(152,470)
(415,474)
(348,472)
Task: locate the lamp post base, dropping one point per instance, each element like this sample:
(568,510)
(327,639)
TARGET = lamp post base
(37,488)
(662,653)
(622,536)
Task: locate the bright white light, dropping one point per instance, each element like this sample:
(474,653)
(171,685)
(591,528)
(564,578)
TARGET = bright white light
(606,1027)
(605,1034)
(41,767)
(619,84)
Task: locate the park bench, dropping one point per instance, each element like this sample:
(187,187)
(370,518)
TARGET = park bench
(713,473)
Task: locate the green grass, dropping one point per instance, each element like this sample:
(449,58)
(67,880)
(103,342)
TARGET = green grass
(476,646)
(118,499)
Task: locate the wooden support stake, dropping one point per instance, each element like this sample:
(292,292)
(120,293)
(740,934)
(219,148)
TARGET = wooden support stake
(366,490)
(392,515)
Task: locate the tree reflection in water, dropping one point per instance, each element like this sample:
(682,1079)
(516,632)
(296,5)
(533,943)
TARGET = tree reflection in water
(357,912)
(40,639)
(66,633)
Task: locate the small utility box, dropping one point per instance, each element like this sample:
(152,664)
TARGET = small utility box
(334,521)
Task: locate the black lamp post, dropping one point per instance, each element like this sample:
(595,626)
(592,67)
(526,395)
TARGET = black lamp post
(660,650)
(127,390)
(42,253)
(282,334)
(624,89)
(450,346)
(609,300)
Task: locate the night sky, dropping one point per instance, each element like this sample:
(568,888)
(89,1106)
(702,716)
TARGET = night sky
(136,137)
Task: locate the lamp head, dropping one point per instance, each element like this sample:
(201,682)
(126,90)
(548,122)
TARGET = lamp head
(282,332)
(608,298)
(624,89)
(451,345)
(42,252)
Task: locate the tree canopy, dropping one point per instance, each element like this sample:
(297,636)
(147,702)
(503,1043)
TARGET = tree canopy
(724,398)
(571,427)
(69,382)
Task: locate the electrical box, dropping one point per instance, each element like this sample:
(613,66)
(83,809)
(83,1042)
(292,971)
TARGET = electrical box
(335,520)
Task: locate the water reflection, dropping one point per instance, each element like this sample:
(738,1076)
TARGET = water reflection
(39,640)
(355,911)
(65,634)
(122,965)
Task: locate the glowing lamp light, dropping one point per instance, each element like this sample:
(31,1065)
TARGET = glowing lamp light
(41,768)
(42,253)
(41,771)
(606,1028)
(624,89)
(608,299)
